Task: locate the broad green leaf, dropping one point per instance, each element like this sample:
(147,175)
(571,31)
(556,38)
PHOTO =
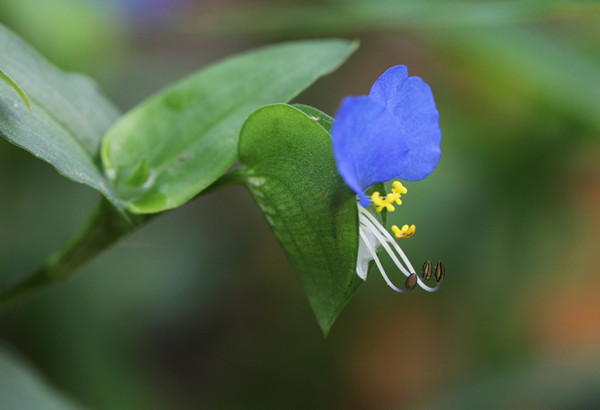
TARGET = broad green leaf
(21,388)
(174,145)
(68,114)
(292,175)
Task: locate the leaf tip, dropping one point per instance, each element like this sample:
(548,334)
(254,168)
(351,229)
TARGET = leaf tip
(325,326)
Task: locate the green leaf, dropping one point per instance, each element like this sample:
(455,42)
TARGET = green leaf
(177,143)
(22,388)
(68,114)
(319,116)
(16,88)
(292,175)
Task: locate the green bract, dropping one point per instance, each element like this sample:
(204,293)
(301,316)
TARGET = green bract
(174,145)
(290,170)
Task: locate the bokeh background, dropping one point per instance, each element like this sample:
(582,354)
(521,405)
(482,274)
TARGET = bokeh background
(200,308)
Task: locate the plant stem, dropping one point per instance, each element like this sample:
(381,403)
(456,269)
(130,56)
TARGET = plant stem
(104,227)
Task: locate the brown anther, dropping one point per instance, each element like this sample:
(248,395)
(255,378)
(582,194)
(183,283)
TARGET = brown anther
(426,270)
(440,272)
(411,281)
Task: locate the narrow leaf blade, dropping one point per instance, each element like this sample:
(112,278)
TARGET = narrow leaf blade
(171,147)
(292,175)
(68,114)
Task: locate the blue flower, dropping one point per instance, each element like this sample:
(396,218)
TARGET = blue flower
(392,133)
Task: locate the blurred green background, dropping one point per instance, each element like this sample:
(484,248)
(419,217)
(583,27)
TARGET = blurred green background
(200,308)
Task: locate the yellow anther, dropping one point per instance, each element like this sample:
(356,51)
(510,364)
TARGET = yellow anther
(385,202)
(393,198)
(398,188)
(376,199)
(404,232)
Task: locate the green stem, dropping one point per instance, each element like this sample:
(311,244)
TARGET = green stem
(104,227)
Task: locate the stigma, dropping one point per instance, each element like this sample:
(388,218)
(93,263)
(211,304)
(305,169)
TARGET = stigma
(373,236)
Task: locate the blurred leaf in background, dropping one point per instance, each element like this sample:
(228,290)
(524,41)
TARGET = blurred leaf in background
(76,35)
(555,384)
(22,388)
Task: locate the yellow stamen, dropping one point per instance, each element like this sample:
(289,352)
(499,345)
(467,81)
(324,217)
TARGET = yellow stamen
(386,202)
(392,198)
(405,232)
(398,188)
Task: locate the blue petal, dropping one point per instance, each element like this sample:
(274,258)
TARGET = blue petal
(410,99)
(368,144)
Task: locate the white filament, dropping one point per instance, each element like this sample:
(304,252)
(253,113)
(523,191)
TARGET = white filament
(378,263)
(369,225)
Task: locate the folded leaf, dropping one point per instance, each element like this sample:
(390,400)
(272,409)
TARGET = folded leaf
(177,143)
(292,175)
